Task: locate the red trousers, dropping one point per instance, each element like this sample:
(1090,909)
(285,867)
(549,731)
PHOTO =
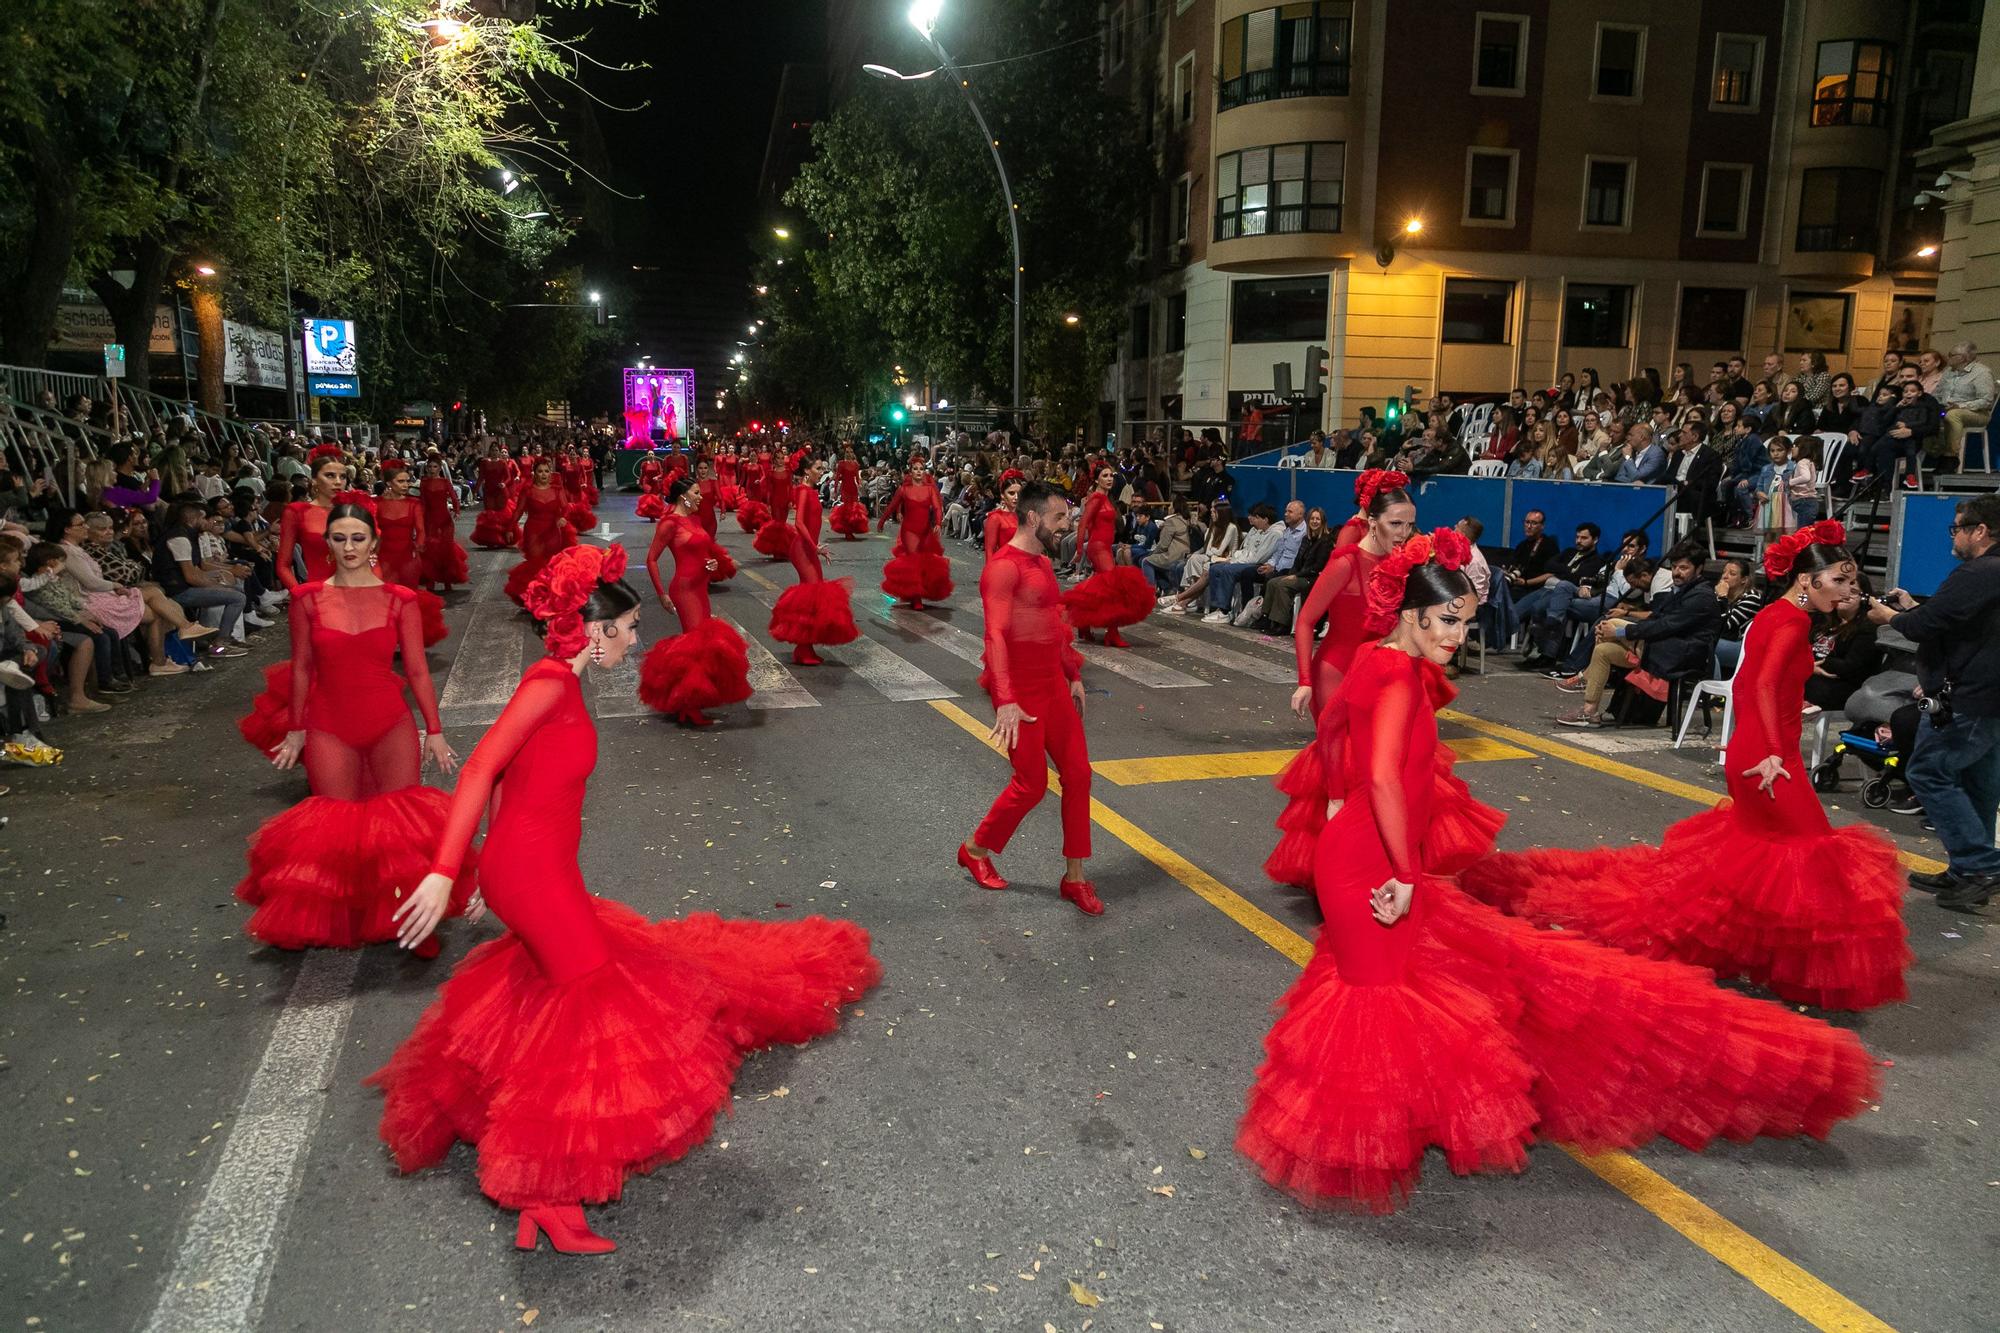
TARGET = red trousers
(1054,737)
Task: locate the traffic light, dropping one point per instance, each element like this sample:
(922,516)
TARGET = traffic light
(1315,372)
(1392,415)
(896,414)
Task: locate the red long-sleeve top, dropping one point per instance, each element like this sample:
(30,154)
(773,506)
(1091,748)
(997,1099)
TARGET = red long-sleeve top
(1027,636)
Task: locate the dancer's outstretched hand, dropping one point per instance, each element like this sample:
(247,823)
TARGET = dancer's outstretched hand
(438,751)
(1007,725)
(1767,773)
(1391,901)
(422,910)
(289,749)
(1301,698)
(1075,697)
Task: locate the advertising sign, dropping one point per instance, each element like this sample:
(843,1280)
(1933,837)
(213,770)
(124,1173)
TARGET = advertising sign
(333,386)
(114,361)
(252,356)
(659,405)
(330,347)
(82,325)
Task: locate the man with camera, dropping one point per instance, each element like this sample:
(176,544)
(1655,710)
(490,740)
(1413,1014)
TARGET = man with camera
(1954,768)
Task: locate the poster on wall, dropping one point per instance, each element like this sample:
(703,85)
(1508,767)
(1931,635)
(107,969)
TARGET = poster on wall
(1910,323)
(659,406)
(1816,322)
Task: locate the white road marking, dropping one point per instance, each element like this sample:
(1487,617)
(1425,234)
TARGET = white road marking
(223,1266)
(617,690)
(488,663)
(966,647)
(1140,669)
(1257,668)
(771,685)
(894,678)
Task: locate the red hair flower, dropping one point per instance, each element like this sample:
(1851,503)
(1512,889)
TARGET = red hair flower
(1781,555)
(565,637)
(321,452)
(1373,482)
(359,499)
(1447,546)
(558,593)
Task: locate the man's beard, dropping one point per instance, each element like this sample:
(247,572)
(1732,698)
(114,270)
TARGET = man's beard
(1050,542)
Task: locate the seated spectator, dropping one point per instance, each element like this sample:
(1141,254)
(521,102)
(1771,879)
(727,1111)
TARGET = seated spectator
(1695,472)
(1674,641)
(1763,401)
(1813,381)
(1223,539)
(1625,587)
(1645,460)
(1748,457)
(1792,414)
(1172,540)
(1283,591)
(1914,420)
(1845,654)
(1212,483)
(1966,392)
(1318,454)
(1270,549)
(1431,453)
(1525,463)
(1736,588)
(178,569)
(87,645)
(1544,608)
(1843,405)
(116,600)
(1593,437)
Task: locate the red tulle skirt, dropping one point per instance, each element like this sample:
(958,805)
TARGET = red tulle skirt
(495,529)
(330,874)
(430,608)
(773,539)
(725,566)
(728,495)
(652,506)
(808,613)
(912,578)
(704,667)
(445,563)
(1120,596)
(580,517)
(270,715)
(849,520)
(565,1089)
(752,515)
(1461,830)
(1816,920)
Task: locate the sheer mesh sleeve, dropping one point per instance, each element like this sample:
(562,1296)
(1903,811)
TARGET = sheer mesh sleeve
(662,537)
(416,525)
(417,671)
(892,510)
(1340,578)
(992,532)
(806,502)
(1390,716)
(533,702)
(304,613)
(288,542)
(999,585)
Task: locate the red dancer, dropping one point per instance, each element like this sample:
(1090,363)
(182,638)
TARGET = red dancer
(569,474)
(652,488)
(752,512)
(399,521)
(1366,487)
(705,665)
(301,539)
(326,873)
(498,477)
(1002,523)
(1425,1019)
(1114,595)
(774,535)
(544,530)
(725,475)
(816,609)
(587,1043)
(918,569)
(710,499)
(444,560)
(1761,886)
(1035,680)
(849,518)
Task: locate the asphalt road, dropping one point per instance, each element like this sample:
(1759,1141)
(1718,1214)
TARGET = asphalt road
(1028,1125)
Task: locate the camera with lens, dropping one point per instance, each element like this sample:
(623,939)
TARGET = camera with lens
(1938,706)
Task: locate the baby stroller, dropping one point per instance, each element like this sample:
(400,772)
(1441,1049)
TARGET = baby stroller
(1881,761)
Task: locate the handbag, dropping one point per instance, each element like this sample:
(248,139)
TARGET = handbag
(1252,612)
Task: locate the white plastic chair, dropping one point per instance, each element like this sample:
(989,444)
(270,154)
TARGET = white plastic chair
(1490,467)
(1719,688)
(1832,444)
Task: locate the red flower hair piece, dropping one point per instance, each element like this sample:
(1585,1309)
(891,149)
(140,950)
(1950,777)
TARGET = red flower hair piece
(321,452)
(1373,482)
(359,499)
(1781,555)
(1010,476)
(1447,546)
(557,595)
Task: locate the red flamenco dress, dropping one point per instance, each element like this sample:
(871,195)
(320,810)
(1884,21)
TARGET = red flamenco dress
(443,562)
(327,872)
(774,535)
(848,518)
(1462,1029)
(1761,886)
(301,536)
(577,492)
(495,528)
(752,512)
(816,609)
(399,526)
(705,665)
(652,500)
(1001,525)
(710,491)
(544,531)
(917,571)
(588,1043)
(1115,595)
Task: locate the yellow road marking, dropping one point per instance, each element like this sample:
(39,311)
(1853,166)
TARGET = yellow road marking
(1260,763)
(1479,749)
(1772,1273)
(757,579)
(1597,763)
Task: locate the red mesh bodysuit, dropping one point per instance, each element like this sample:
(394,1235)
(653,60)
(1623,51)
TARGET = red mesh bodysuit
(444,560)
(816,609)
(1114,595)
(705,665)
(303,529)
(849,518)
(1001,525)
(544,532)
(1762,886)
(1457,1028)
(1339,596)
(917,570)
(399,523)
(1029,662)
(587,1043)
(774,534)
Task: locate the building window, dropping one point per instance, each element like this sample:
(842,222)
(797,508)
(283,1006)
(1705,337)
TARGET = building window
(1595,315)
(1738,81)
(1851,83)
(1712,318)
(1288,187)
(1725,201)
(1183,207)
(1184,89)
(1300,50)
(1478,311)
(1114,38)
(1277,310)
(1621,63)
(1607,193)
(1490,175)
(1177,322)
(1817,321)
(1500,53)
(1142,330)
(1838,208)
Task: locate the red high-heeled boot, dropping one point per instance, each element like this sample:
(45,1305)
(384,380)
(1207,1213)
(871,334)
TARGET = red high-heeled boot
(565,1227)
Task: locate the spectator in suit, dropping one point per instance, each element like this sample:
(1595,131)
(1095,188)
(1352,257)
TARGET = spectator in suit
(1676,640)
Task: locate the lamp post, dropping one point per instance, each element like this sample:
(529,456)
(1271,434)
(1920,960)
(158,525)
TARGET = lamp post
(923,17)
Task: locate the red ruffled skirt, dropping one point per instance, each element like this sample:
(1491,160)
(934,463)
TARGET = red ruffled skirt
(850,520)
(565,1089)
(445,563)
(773,539)
(330,874)
(430,608)
(1461,830)
(1120,596)
(725,565)
(917,578)
(531,564)
(808,613)
(495,529)
(1816,920)
(270,715)
(752,515)
(652,506)
(704,667)
(580,517)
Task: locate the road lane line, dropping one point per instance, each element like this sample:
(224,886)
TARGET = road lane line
(1772,1273)
(617,690)
(1597,763)
(487,665)
(892,677)
(222,1269)
(1258,763)
(771,685)
(1178,640)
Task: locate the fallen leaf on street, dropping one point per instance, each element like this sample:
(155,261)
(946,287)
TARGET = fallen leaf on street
(1197,1154)
(1166,1191)
(1082,1295)
(529,1316)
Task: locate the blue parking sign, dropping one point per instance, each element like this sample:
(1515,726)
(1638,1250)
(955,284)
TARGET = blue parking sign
(330,348)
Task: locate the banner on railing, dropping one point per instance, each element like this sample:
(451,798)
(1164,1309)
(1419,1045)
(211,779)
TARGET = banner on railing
(85,326)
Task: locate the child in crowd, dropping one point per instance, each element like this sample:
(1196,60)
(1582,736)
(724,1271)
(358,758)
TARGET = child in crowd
(1774,497)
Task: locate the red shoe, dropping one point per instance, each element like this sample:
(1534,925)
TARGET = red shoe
(803,655)
(1910,482)
(916,603)
(1084,894)
(984,873)
(563,1224)
(694,717)
(430,947)
(1113,639)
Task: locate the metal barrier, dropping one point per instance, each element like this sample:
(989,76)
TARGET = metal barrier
(26,383)
(48,444)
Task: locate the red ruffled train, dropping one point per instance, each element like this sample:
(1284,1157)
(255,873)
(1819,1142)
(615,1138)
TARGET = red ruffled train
(580,517)
(850,520)
(773,539)
(917,578)
(705,667)
(326,874)
(1816,920)
(270,715)
(445,563)
(430,609)
(1118,597)
(652,506)
(495,529)
(1461,830)
(565,1089)
(809,613)
(752,515)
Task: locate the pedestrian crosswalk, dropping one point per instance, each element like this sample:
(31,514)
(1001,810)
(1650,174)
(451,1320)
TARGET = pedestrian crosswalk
(902,656)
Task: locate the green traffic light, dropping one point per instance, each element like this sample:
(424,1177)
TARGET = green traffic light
(896,415)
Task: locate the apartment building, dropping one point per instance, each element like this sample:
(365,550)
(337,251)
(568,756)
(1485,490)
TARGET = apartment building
(1469,195)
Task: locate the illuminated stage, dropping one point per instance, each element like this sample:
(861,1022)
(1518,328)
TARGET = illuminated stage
(659,406)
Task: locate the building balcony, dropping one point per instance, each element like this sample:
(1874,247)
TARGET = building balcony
(1832,252)
(1317,78)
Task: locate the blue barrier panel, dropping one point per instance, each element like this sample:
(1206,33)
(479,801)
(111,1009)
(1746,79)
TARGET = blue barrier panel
(1443,500)
(1920,549)
(1615,507)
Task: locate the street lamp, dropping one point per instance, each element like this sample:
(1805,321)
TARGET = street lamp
(597,298)
(782,233)
(1072,319)
(924,17)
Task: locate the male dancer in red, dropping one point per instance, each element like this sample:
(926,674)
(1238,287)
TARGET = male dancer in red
(1035,679)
